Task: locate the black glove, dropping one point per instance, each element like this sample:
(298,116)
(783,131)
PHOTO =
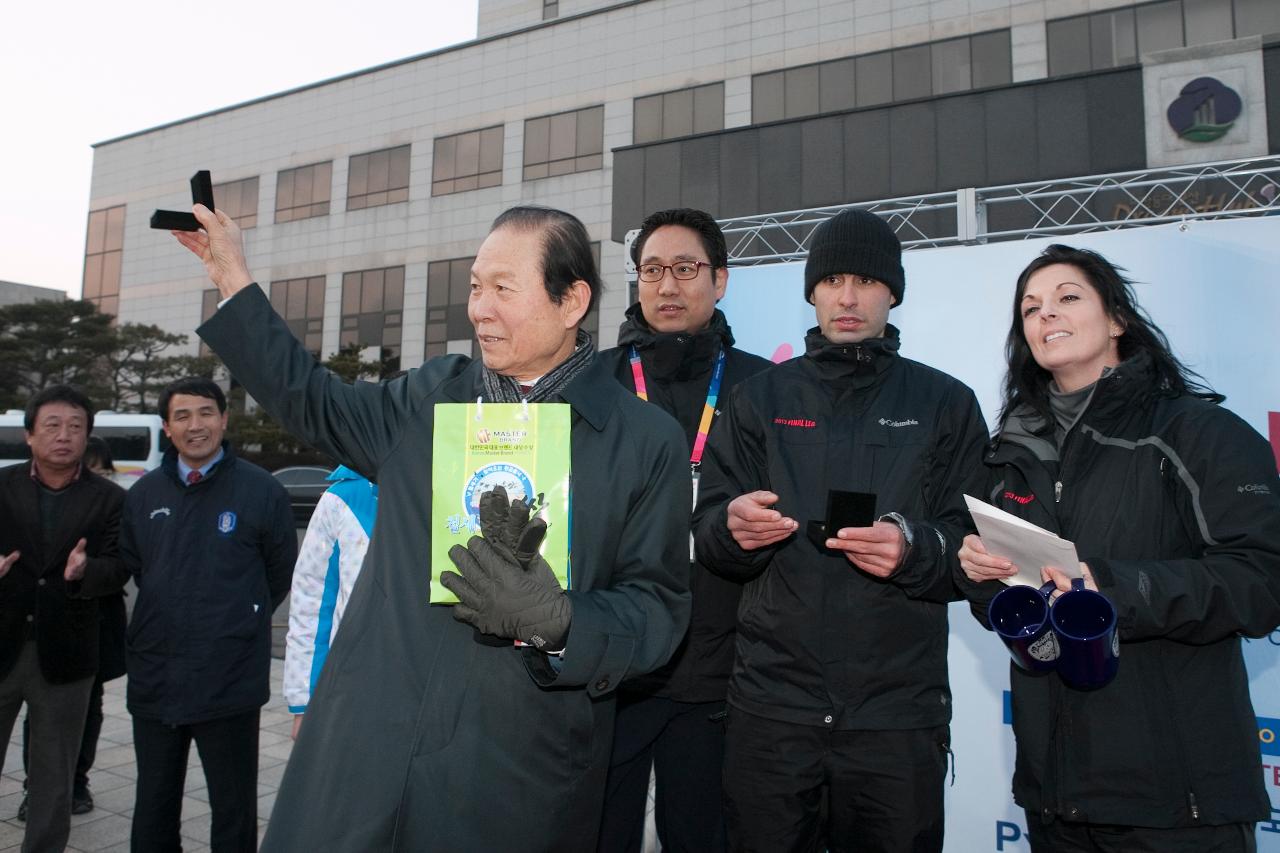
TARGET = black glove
(506,523)
(501,597)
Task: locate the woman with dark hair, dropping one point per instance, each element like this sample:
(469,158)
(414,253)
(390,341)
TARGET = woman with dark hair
(1107,439)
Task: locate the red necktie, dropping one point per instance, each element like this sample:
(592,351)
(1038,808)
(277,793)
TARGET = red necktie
(194,477)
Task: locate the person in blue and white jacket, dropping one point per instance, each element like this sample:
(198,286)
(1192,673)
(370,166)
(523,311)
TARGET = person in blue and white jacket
(329,561)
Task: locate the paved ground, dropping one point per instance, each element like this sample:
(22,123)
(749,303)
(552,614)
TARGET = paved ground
(106,828)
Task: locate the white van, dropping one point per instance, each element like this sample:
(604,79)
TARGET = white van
(137,442)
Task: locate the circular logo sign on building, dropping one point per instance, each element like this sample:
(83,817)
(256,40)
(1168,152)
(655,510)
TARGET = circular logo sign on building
(1204,110)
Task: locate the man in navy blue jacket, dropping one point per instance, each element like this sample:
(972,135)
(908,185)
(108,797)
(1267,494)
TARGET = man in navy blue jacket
(210,541)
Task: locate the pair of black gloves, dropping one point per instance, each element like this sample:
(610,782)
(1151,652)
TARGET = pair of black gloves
(506,588)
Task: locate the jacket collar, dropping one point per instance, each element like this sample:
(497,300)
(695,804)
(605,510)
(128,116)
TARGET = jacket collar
(170,463)
(677,356)
(862,361)
(592,394)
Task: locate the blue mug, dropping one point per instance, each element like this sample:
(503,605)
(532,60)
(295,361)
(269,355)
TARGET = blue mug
(1020,615)
(1085,624)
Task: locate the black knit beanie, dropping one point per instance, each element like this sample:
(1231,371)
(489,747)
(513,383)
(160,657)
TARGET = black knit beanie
(858,243)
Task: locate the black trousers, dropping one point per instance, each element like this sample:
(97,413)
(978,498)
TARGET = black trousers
(790,787)
(57,721)
(228,750)
(684,744)
(88,740)
(1061,836)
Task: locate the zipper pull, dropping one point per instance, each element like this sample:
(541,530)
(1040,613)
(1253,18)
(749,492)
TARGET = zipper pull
(1057,492)
(1195,809)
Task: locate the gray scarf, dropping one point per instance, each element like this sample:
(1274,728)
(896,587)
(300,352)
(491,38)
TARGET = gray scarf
(504,389)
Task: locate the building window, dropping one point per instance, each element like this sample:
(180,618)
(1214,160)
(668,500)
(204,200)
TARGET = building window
(903,74)
(699,109)
(300,301)
(379,177)
(372,313)
(303,192)
(239,200)
(564,143)
(209,300)
(550,9)
(467,161)
(1118,37)
(448,288)
(103,251)
(449,330)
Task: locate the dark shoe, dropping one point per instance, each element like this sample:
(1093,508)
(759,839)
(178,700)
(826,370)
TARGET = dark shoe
(81,800)
(22,809)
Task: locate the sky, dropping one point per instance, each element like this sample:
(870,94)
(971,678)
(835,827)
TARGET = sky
(79,72)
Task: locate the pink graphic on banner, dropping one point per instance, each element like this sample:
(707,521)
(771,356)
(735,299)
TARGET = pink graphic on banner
(783,352)
(1273,428)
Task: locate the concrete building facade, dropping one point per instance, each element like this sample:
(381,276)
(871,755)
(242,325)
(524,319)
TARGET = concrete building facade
(365,196)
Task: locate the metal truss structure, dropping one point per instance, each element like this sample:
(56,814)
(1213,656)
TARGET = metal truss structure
(1220,190)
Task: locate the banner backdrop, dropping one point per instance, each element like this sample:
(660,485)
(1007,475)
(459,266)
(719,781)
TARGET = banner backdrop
(1212,287)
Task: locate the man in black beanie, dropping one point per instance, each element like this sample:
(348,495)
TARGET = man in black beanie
(839,706)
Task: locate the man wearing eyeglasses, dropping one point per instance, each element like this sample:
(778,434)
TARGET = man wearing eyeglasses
(675,350)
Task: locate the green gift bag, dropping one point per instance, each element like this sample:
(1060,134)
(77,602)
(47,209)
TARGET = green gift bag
(477,446)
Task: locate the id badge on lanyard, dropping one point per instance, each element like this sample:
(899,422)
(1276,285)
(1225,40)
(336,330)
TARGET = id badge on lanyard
(694,475)
(704,425)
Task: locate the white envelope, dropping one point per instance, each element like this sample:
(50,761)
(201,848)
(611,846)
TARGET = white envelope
(1027,546)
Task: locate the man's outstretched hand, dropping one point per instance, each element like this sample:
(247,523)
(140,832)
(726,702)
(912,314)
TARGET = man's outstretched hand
(220,247)
(499,596)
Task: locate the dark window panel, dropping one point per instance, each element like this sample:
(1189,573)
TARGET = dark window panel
(92,287)
(467,159)
(677,113)
(1257,17)
(835,84)
(111,272)
(238,200)
(590,136)
(564,130)
(1113,40)
(1207,20)
(284,190)
(873,79)
(303,192)
(1160,26)
(800,91)
(536,140)
(767,102)
(394,288)
(700,174)
(646,119)
(822,161)
(371,291)
(912,74)
(97,232)
(952,66)
(114,238)
(358,176)
(442,160)
(992,59)
(1069,46)
(912,139)
(708,108)
(490,150)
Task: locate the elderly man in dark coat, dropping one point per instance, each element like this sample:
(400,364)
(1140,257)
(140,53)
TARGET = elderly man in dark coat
(428,729)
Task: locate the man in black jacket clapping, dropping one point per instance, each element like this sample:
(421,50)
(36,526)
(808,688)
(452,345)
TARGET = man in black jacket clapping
(59,524)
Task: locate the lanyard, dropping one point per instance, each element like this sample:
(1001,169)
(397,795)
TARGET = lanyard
(708,408)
